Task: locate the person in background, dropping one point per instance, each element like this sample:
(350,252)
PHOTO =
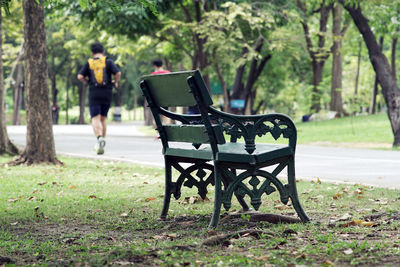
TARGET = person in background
(158,67)
(97,73)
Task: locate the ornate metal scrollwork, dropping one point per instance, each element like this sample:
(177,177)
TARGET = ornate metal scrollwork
(250,127)
(257,187)
(194,175)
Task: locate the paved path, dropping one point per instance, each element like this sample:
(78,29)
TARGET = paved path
(126,143)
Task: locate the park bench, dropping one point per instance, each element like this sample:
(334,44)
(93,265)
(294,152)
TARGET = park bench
(234,168)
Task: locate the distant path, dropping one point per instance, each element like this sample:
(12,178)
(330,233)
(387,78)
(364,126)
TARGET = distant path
(126,143)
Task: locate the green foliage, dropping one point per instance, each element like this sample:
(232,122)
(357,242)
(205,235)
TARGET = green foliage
(6,5)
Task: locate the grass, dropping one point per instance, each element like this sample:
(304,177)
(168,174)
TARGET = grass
(366,131)
(372,129)
(106,213)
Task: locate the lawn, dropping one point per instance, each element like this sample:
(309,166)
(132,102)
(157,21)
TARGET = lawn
(365,131)
(368,131)
(99,213)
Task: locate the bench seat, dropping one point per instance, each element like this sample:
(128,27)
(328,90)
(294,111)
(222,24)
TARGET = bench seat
(234,152)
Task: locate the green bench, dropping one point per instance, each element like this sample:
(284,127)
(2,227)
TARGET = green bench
(207,158)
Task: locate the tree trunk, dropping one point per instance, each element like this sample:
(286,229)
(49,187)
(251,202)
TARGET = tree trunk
(54,91)
(223,84)
(336,86)
(317,67)
(6,146)
(394,46)
(40,146)
(358,68)
(82,90)
(317,53)
(390,90)
(67,104)
(18,96)
(374,93)
(148,117)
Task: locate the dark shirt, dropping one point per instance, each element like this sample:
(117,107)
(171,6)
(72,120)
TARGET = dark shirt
(103,94)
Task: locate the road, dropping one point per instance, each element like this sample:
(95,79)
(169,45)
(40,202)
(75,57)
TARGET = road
(125,143)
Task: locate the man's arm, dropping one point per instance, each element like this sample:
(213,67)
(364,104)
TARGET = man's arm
(116,78)
(82,78)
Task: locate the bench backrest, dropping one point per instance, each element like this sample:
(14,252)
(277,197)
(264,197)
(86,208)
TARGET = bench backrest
(173,90)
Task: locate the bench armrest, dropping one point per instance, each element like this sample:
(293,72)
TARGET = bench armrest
(250,126)
(183,118)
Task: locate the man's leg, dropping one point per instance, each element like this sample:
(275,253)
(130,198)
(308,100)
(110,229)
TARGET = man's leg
(95,113)
(103,120)
(97,125)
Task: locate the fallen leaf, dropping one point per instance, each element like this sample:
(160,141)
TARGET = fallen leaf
(211,232)
(14,223)
(327,262)
(150,199)
(124,215)
(34,191)
(262,258)
(92,196)
(337,195)
(282,207)
(348,251)
(186,223)
(12,200)
(42,183)
(145,183)
(173,235)
(345,217)
(60,193)
(359,191)
(318,181)
(358,222)
(367,224)
(72,186)
(32,199)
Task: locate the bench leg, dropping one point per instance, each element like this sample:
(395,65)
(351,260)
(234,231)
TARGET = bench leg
(240,199)
(293,192)
(168,189)
(217,198)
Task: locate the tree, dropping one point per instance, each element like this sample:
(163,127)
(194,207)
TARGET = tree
(241,31)
(40,147)
(6,146)
(336,103)
(390,90)
(318,53)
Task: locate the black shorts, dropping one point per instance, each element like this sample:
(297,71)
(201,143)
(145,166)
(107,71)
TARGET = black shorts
(101,109)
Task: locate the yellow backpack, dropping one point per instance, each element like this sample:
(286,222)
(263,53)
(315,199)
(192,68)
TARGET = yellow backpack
(98,73)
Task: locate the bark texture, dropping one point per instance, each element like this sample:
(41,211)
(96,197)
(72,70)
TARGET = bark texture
(336,103)
(18,87)
(82,89)
(394,47)
(40,146)
(390,90)
(6,146)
